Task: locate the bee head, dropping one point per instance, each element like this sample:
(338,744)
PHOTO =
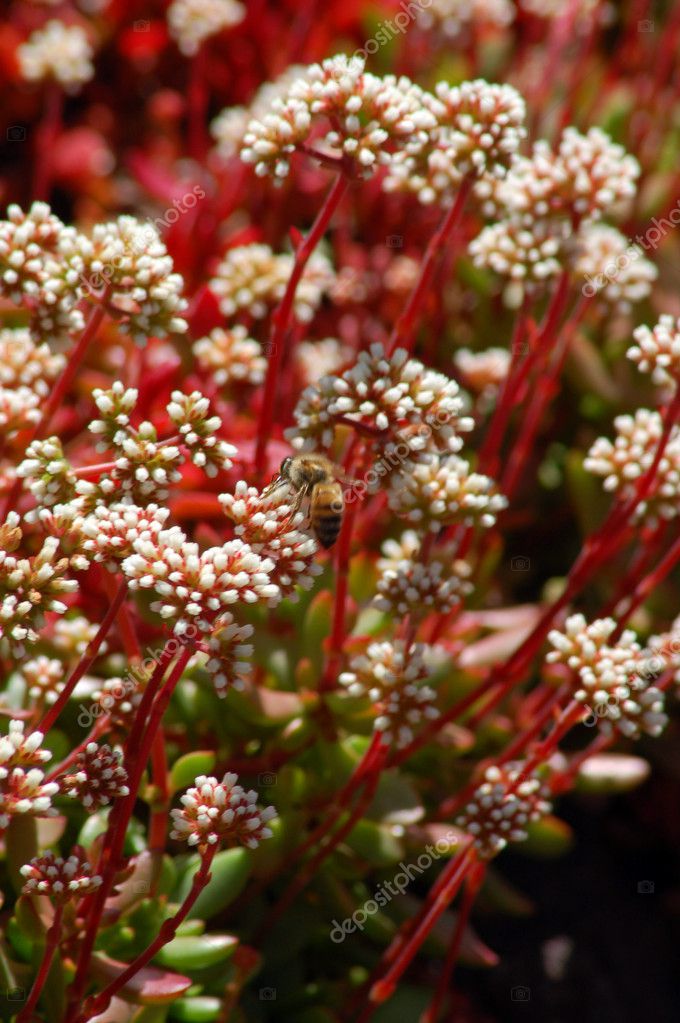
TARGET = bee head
(285,466)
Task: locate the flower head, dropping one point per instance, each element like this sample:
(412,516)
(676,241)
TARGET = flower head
(231,358)
(439,491)
(613,267)
(221,812)
(28,588)
(409,586)
(23,789)
(392,678)
(60,879)
(58,51)
(191,22)
(502,807)
(97,778)
(189,413)
(658,350)
(44,677)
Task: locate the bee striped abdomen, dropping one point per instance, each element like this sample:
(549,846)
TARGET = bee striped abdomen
(326,513)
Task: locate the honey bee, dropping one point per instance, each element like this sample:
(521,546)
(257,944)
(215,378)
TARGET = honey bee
(315,477)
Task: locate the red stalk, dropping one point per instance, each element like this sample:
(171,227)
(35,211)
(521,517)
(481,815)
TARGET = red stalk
(197,103)
(282,317)
(51,944)
(47,136)
(86,661)
(404,331)
(99,1003)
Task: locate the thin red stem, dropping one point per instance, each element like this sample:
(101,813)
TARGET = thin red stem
(51,944)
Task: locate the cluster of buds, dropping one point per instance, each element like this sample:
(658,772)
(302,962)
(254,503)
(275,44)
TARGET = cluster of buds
(441,491)
(658,351)
(317,359)
(221,812)
(57,51)
(631,455)
(28,588)
(119,699)
(414,409)
(454,18)
(231,358)
(368,117)
(27,369)
(228,663)
(127,267)
(502,807)
(189,413)
(48,474)
(98,777)
(44,677)
(391,676)
(273,531)
(252,279)
(35,269)
(407,585)
(230,126)
(483,372)
(110,531)
(58,878)
(194,586)
(479,130)
(613,268)
(23,789)
(191,22)
(615,679)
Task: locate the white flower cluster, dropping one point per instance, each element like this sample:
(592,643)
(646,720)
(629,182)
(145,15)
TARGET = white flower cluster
(437,492)
(98,777)
(189,413)
(221,812)
(252,279)
(58,51)
(417,409)
(44,677)
(25,363)
(483,371)
(194,586)
(191,22)
(502,807)
(541,201)
(111,531)
(391,677)
(28,588)
(317,359)
(479,130)
(613,679)
(632,454)
(409,586)
(275,534)
(48,473)
(231,358)
(128,258)
(34,268)
(229,662)
(614,268)
(230,126)
(60,879)
(72,636)
(368,118)
(658,350)
(454,17)
(23,789)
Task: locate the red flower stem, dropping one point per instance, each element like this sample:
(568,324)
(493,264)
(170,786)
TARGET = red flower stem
(86,661)
(473,883)
(569,717)
(647,584)
(565,779)
(651,540)
(450,881)
(51,944)
(137,754)
(99,1003)
(299,883)
(404,332)
(282,317)
(47,135)
(100,727)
